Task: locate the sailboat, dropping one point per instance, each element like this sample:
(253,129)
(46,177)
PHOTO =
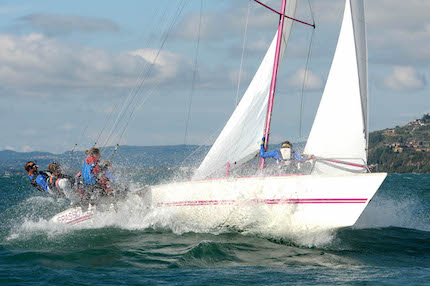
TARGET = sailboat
(235,188)
(336,185)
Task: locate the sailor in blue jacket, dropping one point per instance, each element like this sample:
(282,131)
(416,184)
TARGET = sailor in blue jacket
(38,179)
(285,153)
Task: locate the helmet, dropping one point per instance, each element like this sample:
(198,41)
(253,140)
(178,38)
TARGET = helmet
(286,144)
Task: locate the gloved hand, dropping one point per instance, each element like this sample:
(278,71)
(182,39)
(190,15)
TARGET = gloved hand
(262,141)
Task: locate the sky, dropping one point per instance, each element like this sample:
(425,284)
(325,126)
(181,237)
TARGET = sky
(79,73)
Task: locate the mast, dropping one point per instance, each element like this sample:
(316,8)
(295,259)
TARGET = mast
(273,83)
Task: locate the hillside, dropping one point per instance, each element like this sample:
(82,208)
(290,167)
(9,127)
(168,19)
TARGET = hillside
(404,149)
(126,156)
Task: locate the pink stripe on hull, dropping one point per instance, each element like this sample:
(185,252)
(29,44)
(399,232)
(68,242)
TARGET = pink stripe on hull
(81,219)
(267,201)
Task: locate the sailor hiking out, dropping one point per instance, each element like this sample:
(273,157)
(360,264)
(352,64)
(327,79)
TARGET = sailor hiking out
(94,181)
(37,179)
(285,153)
(61,184)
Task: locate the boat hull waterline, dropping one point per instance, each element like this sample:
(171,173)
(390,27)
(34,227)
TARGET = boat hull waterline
(301,202)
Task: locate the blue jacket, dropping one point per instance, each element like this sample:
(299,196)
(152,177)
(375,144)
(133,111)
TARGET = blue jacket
(40,182)
(88,175)
(276,154)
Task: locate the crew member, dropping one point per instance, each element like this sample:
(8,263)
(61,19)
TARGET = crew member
(37,179)
(285,153)
(60,183)
(91,172)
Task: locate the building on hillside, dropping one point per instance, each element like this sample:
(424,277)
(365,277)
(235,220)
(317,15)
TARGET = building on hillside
(389,132)
(422,149)
(397,147)
(414,143)
(419,122)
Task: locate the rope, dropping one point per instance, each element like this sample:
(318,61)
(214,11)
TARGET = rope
(243,51)
(163,41)
(312,13)
(105,125)
(205,142)
(146,71)
(157,12)
(305,77)
(80,137)
(133,92)
(194,76)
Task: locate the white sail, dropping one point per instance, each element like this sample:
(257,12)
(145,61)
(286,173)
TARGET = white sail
(238,141)
(339,129)
(359,25)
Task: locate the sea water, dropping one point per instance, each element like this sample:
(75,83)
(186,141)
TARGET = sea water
(389,245)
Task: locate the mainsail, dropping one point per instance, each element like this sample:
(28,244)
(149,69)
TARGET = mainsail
(340,127)
(238,141)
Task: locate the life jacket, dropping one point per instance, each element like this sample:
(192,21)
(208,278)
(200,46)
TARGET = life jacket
(286,150)
(286,153)
(38,180)
(89,171)
(53,185)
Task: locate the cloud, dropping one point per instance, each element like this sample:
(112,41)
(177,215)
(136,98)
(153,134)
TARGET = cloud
(404,78)
(27,148)
(10,148)
(109,109)
(29,132)
(312,81)
(168,63)
(34,65)
(67,126)
(224,23)
(402,35)
(244,77)
(53,24)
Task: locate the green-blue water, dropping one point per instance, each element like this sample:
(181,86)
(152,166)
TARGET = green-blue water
(389,245)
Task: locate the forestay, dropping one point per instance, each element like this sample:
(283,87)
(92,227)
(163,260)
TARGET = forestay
(340,127)
(238,141)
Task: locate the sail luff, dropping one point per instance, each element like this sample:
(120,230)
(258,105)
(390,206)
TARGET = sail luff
(360,37)
(273,83)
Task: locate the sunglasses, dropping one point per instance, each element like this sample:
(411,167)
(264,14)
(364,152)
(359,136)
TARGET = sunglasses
(29,167)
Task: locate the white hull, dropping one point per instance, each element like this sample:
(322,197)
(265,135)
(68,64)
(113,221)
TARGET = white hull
(301,202)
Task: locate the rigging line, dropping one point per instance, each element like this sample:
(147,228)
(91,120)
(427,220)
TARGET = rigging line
(312,13)
(195,68)
(207,140)
(126,103)
(126,125)
(149,69)
(178,13)
(105,125)
(144,75)
(305,77)
(80,136)
(132,92)
(273,10)
(243,51)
